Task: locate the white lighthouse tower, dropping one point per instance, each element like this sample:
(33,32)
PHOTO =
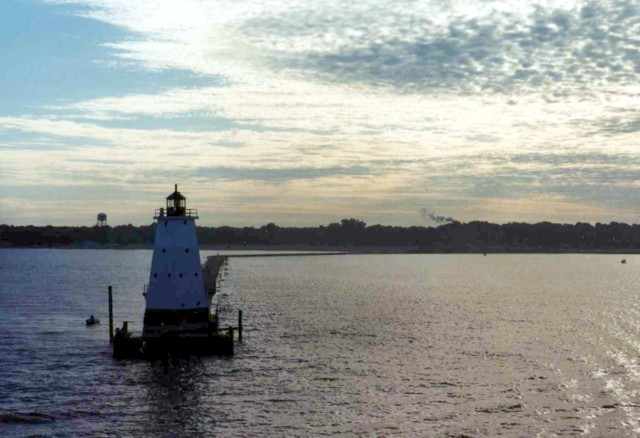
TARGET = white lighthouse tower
(177,301)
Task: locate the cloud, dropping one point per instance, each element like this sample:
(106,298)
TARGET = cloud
(280,174)
(561,48)
(532,48)
(604,179)
(620,125)
(357,106)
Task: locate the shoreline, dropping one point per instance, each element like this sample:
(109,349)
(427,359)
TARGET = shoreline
(352,249)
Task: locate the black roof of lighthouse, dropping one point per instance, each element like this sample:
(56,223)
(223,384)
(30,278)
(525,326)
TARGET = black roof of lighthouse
(176,194)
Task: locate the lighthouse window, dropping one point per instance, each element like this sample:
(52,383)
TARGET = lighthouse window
(184,222)
(169,274)
(170,203)
(183,203)
(180,275)
(164,250)
(186,250)
(155,275)
(166,223)
(198,303)
(196,274)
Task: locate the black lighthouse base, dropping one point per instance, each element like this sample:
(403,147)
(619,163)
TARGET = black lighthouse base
(211,343)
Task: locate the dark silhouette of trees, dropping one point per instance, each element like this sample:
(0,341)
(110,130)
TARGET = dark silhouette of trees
(475,236)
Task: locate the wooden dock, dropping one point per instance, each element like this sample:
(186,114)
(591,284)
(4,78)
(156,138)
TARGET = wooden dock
(214,340)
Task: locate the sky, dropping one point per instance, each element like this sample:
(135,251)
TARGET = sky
(302,112)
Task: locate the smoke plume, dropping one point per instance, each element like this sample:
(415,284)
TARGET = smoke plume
(437,218)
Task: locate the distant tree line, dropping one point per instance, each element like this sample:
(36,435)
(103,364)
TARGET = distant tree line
(451,237)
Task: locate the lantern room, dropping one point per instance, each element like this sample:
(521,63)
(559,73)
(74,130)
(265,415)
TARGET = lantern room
(176,203)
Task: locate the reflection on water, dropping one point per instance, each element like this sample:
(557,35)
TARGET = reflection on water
(178,399)
(402,345)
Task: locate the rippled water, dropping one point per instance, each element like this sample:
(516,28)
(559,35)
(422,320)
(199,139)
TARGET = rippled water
(402,345)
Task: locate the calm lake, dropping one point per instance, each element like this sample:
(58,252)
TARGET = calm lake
(364,345)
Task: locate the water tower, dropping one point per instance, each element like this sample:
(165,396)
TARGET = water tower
(102,220)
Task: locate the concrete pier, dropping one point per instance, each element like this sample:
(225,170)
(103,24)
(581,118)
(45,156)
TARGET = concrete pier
(210,272)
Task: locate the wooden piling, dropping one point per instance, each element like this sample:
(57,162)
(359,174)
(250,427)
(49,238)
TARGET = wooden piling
(110,315)
(239,325)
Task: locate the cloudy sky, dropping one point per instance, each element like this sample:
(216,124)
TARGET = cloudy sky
(303,112)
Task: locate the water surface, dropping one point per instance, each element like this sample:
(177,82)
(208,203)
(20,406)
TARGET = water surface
(365,345)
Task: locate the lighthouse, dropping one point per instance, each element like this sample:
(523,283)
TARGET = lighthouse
(177,302)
